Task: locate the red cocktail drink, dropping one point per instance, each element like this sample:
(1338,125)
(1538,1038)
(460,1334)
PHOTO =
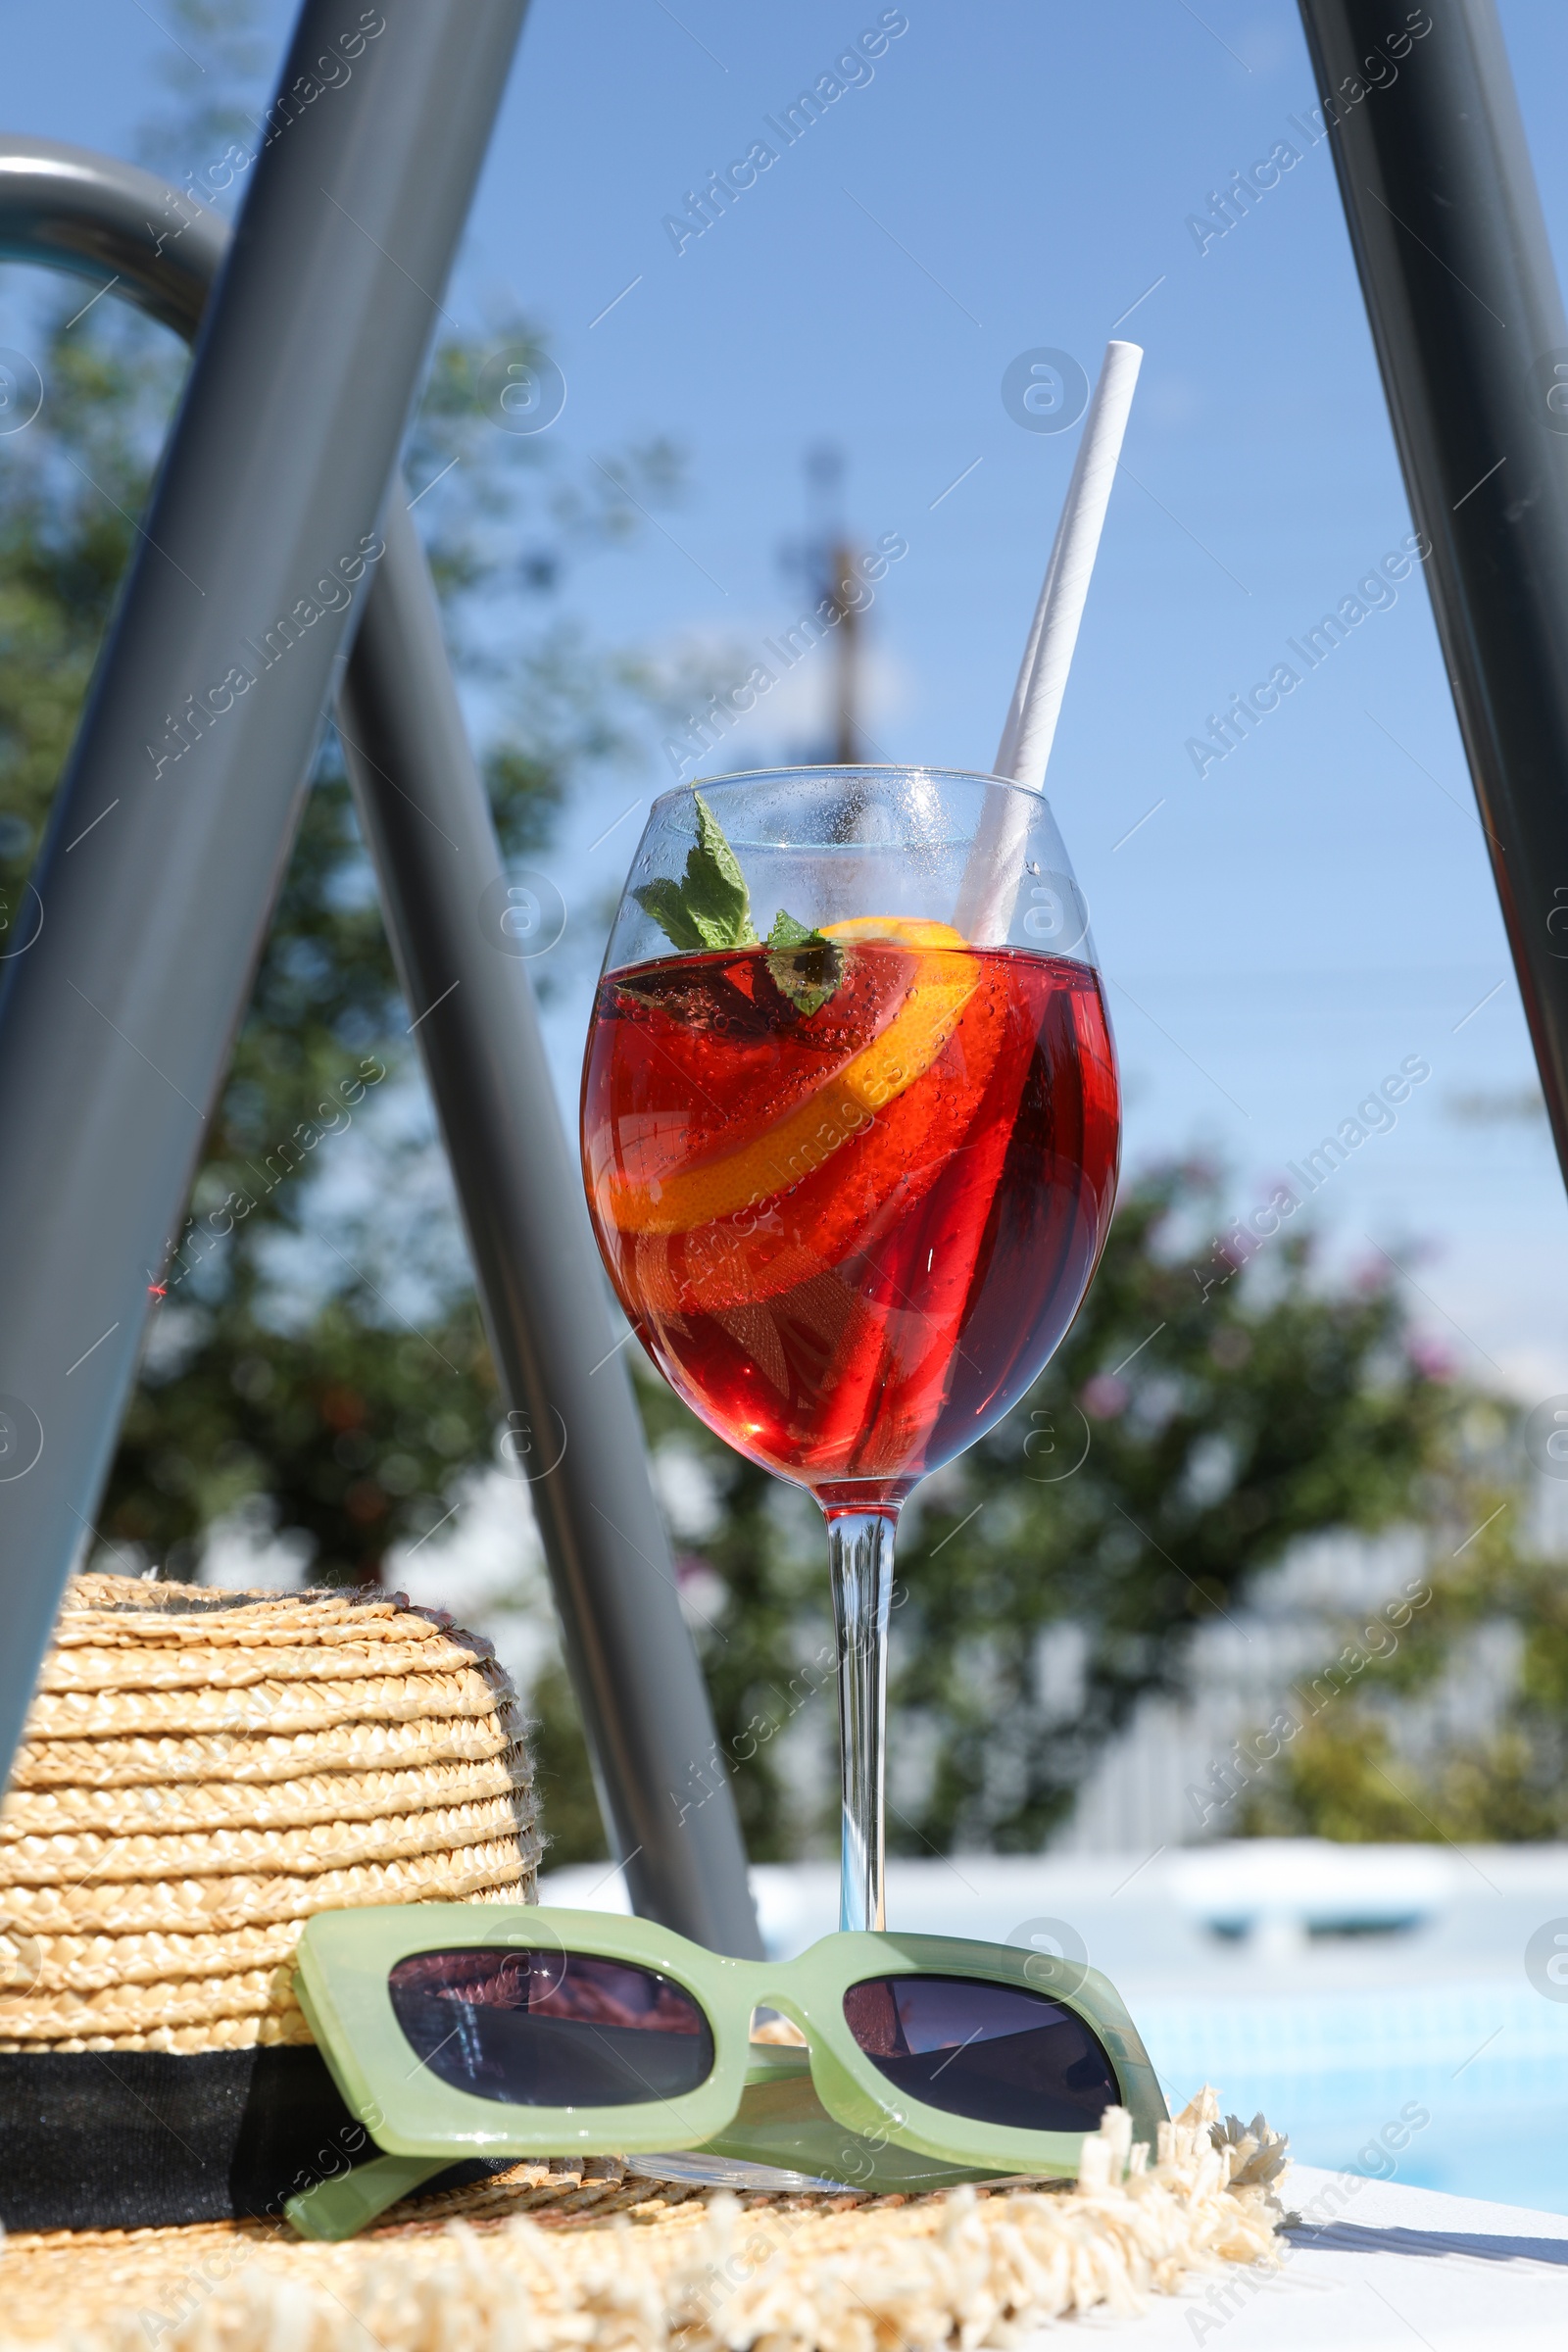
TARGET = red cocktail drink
(850,1172)
(851,1232)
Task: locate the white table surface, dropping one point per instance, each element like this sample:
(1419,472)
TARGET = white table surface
(1394,2266)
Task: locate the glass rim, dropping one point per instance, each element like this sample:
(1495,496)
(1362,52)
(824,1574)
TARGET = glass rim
(749,776)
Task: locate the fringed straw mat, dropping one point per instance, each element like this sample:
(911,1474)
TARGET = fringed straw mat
(561,2260)
(203,1771)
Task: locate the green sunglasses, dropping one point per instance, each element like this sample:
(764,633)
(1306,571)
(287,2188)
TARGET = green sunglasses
(461,2030)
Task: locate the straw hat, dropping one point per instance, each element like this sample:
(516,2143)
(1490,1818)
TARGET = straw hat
(200,1772)
(593,2259)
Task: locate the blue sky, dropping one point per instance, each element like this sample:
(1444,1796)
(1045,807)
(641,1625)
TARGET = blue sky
(1280,933)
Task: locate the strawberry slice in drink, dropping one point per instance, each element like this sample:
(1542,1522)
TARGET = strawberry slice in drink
(915,1277)
(718,1058)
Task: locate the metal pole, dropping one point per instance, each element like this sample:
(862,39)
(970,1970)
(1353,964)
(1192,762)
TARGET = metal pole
(135,954)
(1467,319)
(665,1796)
(428,824)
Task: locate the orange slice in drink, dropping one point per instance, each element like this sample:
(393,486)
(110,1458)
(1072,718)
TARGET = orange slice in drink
(908,930)
(796,1146)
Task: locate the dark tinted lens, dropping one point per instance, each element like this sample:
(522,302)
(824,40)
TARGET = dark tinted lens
(551,2028)
(992,2052)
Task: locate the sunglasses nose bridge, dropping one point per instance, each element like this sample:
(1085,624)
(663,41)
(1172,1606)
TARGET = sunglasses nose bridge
(774,1988)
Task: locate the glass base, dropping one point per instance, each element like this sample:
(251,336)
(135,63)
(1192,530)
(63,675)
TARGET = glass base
(732,2172)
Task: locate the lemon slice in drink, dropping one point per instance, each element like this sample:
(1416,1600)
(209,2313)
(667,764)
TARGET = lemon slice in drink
(844,1106)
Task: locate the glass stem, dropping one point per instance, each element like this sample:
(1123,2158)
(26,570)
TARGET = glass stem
(860,1561)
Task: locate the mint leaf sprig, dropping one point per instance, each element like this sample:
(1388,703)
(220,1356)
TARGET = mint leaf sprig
(710,906)
(803,966)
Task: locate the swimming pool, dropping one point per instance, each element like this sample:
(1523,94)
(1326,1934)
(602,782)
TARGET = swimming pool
(1350,2076)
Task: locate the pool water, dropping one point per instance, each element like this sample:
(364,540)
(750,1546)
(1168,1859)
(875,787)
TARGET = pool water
(1348,2077)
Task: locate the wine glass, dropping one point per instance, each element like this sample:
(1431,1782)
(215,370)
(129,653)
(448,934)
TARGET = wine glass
(850,1135)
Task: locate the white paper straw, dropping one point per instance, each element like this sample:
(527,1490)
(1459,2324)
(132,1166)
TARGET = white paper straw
(995,862)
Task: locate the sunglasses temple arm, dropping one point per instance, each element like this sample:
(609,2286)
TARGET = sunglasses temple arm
(338,2207)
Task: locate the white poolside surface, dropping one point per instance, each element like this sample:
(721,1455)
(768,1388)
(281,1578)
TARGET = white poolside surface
(1345,1990)
(1394,2266)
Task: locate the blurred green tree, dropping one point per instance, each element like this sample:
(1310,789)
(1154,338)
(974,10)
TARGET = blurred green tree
(1402,1756)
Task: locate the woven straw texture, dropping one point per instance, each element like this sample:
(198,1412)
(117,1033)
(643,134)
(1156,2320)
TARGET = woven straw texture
(552,2259)
(200,1772)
